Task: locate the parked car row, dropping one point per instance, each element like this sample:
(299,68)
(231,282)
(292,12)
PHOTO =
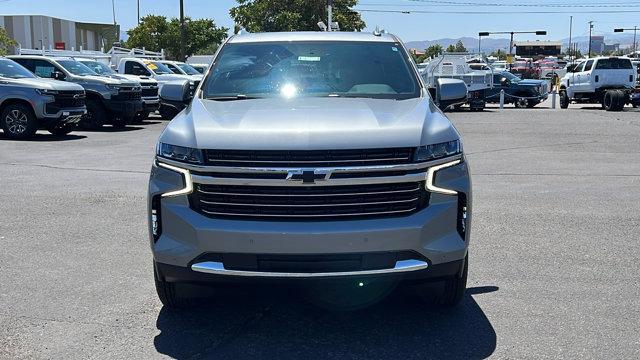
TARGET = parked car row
(60,93)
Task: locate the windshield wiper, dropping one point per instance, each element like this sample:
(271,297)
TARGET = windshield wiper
(232,97)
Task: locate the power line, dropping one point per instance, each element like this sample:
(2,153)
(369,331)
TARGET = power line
(498,12)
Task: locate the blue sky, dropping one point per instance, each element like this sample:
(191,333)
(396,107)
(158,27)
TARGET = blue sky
(408,26)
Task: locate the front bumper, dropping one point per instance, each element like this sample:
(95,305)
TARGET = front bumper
(124,108)
(150,104)
(64,117)
(192,247)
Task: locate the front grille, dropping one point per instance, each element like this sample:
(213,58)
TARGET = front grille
(311,158)
(309,202)
(65,99)
(127,95)
(150,91)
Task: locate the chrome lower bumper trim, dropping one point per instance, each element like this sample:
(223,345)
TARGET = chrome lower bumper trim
(213,267)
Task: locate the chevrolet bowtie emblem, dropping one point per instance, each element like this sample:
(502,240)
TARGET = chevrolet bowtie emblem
(308,176)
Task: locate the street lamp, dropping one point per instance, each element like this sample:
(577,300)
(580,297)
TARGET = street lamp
(487,33)
(635,29)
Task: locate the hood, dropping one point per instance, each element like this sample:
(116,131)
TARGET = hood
(309,124)
(108,80)
(532,82)
(135,78)
(43,83)
(172,77)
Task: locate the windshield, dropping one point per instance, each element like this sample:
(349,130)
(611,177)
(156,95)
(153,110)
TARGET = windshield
(512,78)
(98,67)
(11,69)
(317,68)
(76,67)
(158,68)
(190,70)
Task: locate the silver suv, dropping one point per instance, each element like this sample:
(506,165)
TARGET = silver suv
(311,156)
(28,103)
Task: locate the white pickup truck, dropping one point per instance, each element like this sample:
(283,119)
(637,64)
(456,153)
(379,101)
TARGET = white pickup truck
(603,80)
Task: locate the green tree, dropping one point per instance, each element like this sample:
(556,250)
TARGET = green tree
(451,48)
(294,15)
(460,47)
(434,50)
(501,55)
(156,33)
(6,42)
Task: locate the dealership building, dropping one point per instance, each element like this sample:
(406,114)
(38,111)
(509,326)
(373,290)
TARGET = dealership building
(538,48)
(38,32)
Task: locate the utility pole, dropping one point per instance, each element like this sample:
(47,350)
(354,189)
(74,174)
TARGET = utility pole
(115,28)
(590,28)
(329,13)
(183,32)
(138,12)
(570,31)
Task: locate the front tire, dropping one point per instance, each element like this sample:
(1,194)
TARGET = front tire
(452,291)
(169,293)
(18,121)
(564,99)
(96,116)
(521,103)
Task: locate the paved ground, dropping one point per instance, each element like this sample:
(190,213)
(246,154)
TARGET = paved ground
(554,256)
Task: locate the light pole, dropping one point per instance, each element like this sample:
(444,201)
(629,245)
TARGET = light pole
(329,14)
(487,33)
(590,28)
(183,32)
(635,29)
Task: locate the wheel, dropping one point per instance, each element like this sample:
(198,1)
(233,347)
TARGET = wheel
(61,130)
(451,292)
(119,122)
(607,101)
(521,103)
(167,113)
(169,293)
(95,117)
(621,98)
(18,121)
(564,99)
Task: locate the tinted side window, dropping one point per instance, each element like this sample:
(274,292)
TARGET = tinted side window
(27,63)
(133,68)
(43,68)
(173,68)
(588,66)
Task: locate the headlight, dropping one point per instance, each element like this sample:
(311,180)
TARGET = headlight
(113,88)
(180,153)
(46,92)
(438,151)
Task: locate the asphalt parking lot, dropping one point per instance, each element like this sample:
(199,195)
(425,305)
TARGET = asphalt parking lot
(554,256)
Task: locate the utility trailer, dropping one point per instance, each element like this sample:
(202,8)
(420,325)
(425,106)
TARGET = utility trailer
(456,66)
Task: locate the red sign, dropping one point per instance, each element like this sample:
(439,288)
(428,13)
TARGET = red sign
(60,46)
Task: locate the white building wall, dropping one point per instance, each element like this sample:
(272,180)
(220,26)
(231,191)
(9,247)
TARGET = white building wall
(22,31)
(90,41)
(68,33)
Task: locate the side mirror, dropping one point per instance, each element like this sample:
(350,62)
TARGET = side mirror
(504,81)
(176,91)
(57,75)
(450,92)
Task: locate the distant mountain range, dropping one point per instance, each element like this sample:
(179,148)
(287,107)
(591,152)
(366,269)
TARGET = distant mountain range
(492,44)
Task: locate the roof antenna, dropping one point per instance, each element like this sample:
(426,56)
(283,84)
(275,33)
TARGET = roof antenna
(377,31)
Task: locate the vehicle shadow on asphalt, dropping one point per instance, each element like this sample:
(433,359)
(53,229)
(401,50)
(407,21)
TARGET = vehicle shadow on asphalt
(267,324)
(46,137)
